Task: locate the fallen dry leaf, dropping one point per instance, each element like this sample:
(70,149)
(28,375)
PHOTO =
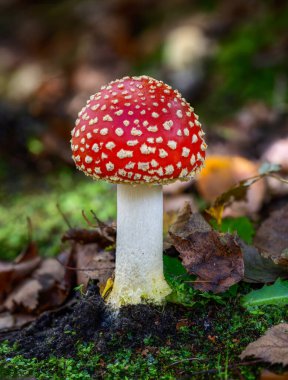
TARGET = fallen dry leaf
(99,265)
(14,272)
(259,268)
(221,173)
(240,192)
(272,237)
(214,257)
(24,297)
(10,321)
(268,375)
(47,287)
(272,347)
(104,235)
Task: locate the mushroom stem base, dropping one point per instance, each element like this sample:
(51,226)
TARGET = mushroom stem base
(139,274)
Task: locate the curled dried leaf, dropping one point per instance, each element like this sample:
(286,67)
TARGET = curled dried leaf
(215,258)
(271,347)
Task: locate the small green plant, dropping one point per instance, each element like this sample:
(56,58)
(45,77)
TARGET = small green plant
(241,225)
(276,294)
(80,289)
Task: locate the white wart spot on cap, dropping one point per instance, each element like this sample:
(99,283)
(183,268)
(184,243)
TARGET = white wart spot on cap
(203,146)
(179,114)
(136,132)
(194,139)
(124,153)
(104,131)
(132,142)
(145,149)
(130,165)
(154,163)
(119,131)
(168,124)
(143,166)
(152,128)
(93,121)
(169,169)
(192,159)
(97,170)
(185,151)
(163,153)
(110,145)
(107,118)
(172,144)
(186,131)
(184,172)
(95,147)
(109,166)
(88,159)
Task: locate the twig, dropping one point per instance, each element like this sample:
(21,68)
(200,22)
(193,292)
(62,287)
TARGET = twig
(87,220)
(99,222)
(236,365)
(30,229)
(82,269)
(279,178)
(63,216)
(182,361)
(198,281)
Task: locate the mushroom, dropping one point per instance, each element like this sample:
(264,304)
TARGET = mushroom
(139,133)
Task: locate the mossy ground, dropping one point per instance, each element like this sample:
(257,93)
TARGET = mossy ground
(142,342)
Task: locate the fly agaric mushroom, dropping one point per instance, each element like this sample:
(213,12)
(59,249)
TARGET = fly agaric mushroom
(139,133)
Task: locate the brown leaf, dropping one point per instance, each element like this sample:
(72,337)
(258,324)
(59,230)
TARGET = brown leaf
(258,268)
(104,235)
(268,375)
(217,184)
(10,322)
(272,347)
(22,266)
(99,265)
(215,258)
(272,237)
(24,297)
(46,288)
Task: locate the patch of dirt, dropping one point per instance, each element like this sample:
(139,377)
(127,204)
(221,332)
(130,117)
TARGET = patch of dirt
(88,319)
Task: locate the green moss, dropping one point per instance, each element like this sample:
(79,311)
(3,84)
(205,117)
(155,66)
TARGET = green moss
(205,348)
(71,193)
(245,67)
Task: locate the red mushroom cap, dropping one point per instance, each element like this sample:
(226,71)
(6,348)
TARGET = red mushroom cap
(138,130)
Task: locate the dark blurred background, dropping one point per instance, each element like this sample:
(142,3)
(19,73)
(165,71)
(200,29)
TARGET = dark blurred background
(228,58)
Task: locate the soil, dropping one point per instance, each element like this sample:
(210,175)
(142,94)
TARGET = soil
(88,319)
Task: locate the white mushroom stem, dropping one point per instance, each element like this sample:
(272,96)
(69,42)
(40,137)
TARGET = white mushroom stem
(139,274)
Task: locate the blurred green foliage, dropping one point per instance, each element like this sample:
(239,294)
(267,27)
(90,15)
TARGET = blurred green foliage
(72,195)
(241,225)
(276,294)
(248,65)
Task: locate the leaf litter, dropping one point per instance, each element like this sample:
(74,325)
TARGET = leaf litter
(215,258)
(271,347)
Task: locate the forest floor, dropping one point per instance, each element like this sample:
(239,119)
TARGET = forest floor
(84,340)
